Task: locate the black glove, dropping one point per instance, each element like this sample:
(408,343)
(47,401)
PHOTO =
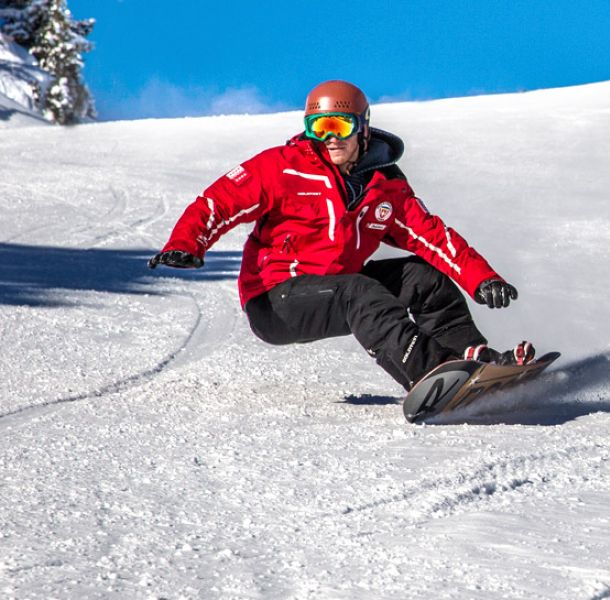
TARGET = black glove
(496,293)
(177,259)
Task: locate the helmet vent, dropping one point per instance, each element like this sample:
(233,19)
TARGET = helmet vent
(338,104)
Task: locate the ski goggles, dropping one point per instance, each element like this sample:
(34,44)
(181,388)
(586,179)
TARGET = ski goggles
(340,125)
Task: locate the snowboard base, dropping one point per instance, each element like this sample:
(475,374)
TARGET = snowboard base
(459,383)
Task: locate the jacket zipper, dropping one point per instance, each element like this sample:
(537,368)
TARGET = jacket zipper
(292,267)
(358,220)
(286,244)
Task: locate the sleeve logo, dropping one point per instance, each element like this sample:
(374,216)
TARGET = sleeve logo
(238,175)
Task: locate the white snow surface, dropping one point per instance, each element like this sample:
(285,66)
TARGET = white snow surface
(151,447)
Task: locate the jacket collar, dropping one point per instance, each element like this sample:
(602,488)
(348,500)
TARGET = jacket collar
(385,149)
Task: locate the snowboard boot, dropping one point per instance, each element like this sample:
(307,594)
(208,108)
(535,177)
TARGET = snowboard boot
(521,354)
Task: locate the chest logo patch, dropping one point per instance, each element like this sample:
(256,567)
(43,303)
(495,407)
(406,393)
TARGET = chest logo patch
(383,211)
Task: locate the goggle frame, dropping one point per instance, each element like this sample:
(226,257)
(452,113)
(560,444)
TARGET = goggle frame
(357,120)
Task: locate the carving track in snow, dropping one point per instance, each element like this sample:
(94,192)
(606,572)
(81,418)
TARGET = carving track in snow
(489,483)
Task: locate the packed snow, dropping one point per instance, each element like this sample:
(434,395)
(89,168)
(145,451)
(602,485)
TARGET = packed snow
(151,447)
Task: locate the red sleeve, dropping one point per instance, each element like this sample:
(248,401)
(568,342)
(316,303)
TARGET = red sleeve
(416,230)
(235,198)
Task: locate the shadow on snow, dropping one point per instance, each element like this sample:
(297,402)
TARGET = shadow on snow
(7,113)
(44,275)
(370,400)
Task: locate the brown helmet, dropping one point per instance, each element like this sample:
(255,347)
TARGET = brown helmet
(337,96)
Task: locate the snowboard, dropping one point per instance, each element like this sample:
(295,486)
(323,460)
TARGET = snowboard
(459,383)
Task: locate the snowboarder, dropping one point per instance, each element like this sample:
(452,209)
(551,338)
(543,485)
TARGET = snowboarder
(322,204)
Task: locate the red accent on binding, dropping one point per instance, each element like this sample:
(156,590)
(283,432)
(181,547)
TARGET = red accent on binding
(477,351)
(524,353)
(474,352)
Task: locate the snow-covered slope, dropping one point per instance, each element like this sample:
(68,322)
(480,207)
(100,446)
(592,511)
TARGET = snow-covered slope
(18,74)
(151,447)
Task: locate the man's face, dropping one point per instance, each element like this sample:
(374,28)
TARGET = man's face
(343,153)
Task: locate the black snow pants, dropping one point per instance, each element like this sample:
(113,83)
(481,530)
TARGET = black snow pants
(404,312)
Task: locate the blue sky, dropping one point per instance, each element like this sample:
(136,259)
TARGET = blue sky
(166,59)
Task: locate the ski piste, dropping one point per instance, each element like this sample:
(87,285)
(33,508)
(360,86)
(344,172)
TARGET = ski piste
(459,383)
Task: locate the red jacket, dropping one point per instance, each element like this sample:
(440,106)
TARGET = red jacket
(297,198)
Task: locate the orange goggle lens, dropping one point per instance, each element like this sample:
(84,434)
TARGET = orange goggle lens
(321,127)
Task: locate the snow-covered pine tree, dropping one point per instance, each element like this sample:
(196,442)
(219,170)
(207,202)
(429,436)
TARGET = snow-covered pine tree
(58,44)
(15,21)
(57,41)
